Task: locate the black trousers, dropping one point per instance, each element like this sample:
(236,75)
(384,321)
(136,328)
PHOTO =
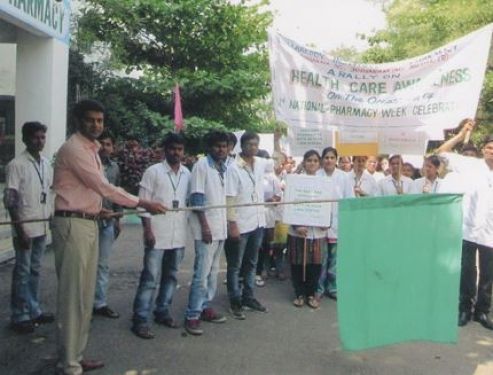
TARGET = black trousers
(468,277)
(308,287)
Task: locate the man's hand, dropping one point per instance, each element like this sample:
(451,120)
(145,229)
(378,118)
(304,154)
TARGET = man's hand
(23,241)
(467,126)
(206,234)
(149,239)
(152,207)
(233,231)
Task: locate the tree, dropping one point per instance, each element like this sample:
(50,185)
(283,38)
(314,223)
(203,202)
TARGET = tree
(419,26)
(215,50)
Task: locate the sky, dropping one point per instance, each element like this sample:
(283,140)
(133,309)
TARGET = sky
(327,24)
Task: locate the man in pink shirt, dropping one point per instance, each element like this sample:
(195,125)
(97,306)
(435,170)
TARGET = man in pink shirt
(80,186)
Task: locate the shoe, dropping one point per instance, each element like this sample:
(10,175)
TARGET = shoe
(237,311)
(484,320)
(259,281)
(142,331)
(106,312)
(332,295)
(211,316)
(299,301)
(91,365)
(312,302)
(44,318)
(281,276)
(253,304)
(192,326)
(464,318)
(167,321)
(24,327)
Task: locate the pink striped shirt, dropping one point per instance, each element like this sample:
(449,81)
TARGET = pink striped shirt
(79,181)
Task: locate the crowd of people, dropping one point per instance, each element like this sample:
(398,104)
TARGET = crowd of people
(226,193)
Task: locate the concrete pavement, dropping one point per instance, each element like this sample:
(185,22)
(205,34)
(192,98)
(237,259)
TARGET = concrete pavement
(287,340)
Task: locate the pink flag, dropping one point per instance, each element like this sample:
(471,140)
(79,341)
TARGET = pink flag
(179,125)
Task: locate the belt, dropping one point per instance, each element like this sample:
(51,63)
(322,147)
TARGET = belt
(79,215)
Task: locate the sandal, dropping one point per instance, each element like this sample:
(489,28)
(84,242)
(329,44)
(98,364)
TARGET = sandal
(143,332)
(299,301)
(313,303)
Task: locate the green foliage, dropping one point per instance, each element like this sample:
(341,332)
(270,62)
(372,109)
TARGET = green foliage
(419,26)
(215,50)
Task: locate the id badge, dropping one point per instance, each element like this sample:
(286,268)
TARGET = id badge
(42,198)
(176,203)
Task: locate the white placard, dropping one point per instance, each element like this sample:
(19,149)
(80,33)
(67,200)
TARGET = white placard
(303,188)
(301,140)
(402,142)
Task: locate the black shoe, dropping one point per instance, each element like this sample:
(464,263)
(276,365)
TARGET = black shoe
(24,327)
(253,304)
(142,331)
(44,318)
(237,311)
(106,312)
(464,318)
(484,320)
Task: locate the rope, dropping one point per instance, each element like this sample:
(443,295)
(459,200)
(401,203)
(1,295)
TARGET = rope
(192,208)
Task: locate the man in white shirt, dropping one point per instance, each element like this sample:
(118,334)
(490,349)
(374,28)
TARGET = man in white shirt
(28,196)
(209,228)
(395,183)
(165,237)
(364,185)
(477,177)
(245,185)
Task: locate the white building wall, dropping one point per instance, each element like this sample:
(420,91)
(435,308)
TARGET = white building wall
(7,69)
(41,87)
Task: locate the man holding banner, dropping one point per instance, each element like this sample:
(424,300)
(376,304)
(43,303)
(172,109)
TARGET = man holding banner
(477,175)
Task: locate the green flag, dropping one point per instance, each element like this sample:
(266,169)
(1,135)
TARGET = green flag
(398,265)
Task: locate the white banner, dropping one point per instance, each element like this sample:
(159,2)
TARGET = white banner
(431,92)
(305,188)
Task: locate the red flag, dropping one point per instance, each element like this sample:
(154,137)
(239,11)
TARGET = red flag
(179,124)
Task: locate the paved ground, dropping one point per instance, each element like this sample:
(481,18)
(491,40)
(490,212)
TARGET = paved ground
(284,341)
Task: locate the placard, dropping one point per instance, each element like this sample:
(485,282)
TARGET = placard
(305,188)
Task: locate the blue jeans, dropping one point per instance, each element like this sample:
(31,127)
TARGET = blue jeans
(24,301)
(327,282)
(242,255)
(204,281)
(106,239)
(157,262)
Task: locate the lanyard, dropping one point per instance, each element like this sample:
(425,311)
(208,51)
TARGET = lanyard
(357,181)
(220,172)
(398,185)
(173,183)
(39,172)
(252,177)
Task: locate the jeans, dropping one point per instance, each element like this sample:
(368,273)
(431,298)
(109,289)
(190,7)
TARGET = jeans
(106,239)
(242,255)
(204,281)
(327,282)
(468,278)
(24,302)
(157,262)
